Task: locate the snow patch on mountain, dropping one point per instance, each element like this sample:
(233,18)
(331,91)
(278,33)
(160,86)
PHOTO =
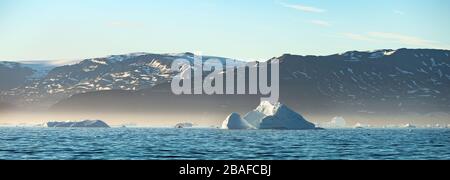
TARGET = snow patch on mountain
(123,57)
(381,53)
(403,71)
(99,61)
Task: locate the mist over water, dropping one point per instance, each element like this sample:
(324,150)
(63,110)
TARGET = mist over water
(170,118)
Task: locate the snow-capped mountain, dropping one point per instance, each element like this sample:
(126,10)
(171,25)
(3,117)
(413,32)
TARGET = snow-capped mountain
(42,68)
(394,80)
(404,80)
(15,74)
(46,85)
(363,83)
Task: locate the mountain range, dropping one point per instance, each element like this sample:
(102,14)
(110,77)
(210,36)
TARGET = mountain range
(359,82)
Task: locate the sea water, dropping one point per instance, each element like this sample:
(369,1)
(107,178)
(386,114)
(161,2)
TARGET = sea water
(215,144)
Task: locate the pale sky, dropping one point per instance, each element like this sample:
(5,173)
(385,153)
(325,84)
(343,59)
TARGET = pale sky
(242,29)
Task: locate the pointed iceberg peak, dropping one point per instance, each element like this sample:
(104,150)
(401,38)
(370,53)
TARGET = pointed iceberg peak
(269,109)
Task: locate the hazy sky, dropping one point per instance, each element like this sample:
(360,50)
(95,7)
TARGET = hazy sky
(245,29)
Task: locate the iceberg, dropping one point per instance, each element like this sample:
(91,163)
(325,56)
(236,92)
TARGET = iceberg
(269,116)
(409,126)
(336,122)
(184,125)
(361,126)
(234,121)
(80,124)
(277,116)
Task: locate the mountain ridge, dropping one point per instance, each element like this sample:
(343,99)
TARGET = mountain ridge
(364,82)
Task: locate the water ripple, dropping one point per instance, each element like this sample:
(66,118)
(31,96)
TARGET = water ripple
(42,143)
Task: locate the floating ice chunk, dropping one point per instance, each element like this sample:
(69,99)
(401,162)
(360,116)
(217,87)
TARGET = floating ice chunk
(184,125)
(337,122)
(81,124)
(409,126)
(234,121)
(360,126)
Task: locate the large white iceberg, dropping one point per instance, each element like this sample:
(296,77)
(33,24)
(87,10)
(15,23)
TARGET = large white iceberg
(234,121)
(271,116)
(80,124)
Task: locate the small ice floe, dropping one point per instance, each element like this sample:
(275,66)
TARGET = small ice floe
(184,125)
(336,122)
(409,126)
(78,124)
(438,126)
(361,126)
